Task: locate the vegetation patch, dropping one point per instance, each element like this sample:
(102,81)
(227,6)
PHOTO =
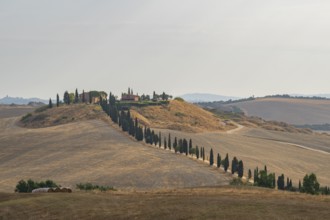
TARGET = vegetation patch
(90,187)
(29,185)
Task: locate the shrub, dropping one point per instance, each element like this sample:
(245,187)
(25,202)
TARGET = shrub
(25,117)
(90,187)
(27,186)
(179,99)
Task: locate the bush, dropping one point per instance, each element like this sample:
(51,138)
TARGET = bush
(179,99)
(90,187)
(27,186)
(310,184)
(25,117)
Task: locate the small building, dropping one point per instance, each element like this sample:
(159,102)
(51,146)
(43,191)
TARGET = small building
(129,97)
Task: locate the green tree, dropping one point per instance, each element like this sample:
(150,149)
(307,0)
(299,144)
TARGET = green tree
(249,174)
(83,97)
(76,97)
(160,138)
(66,98)
(197,152)
(240,169)
(190,146)
(226,163)
(165,143)
(169,141)
(50,105)
(90,97)
(218,160)
(211,157)
(310,184)
(280,182)
(234,165)
(57,100)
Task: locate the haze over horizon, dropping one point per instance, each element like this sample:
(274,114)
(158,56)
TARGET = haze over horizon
(233,48)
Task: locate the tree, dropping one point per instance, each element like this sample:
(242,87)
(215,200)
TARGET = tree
(66,98)
(310,184)
(169,141)
(203,152)
(165,143)
(226,163)
(211,157)
(83,97)
(197,152)
(76,97)
(190,146)
(249,174)
(90,97)
(299,185)
(280,182)
(218,160)
(57,100)
(175,144)
(234,165)
(160,139)
(240,169)
(50,105)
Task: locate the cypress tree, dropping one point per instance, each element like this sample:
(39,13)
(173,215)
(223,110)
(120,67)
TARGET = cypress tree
(299,186)
(203,154)
(160,139)
(66,98)
(280,182)
(165,144)
(57,100)
(197,152)
(226,163)
(190,146)
(218,160)
(185,146)
(234,165)
(76,97)
(211,157)
(249,174)
(175,144)
(50,105)
(265,169)
(169,141)
(90,98)
(83,97)
(240,169)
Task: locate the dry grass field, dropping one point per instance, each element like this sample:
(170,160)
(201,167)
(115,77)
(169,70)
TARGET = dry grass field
(291,160)
(8,111)
(180,115)
(195,203)
(94,151)
(292,111)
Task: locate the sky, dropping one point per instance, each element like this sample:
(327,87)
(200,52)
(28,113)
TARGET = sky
(237,48)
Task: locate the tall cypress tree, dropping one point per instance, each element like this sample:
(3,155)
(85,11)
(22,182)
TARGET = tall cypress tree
(197,152)
(83,97)
(218,160)
(185,146)
(90,97)
(175,145)
(240,169)
(165,144)
(211,157)
(66,98)
(76,97)
(160,139)
(234,165)
(249,174)
(190,146)
(203,154)
(50,105)
(169,141)
(57,100)
(226,163)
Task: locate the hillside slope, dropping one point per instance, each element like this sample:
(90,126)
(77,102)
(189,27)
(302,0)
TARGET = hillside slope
(202,203)
(180,115)
(289,110)
(94,151)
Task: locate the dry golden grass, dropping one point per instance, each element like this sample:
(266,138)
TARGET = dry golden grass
(201,203)
(180,115)
(292,111)
(62,115)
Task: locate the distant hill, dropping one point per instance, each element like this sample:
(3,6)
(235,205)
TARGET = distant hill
(297,111)
(20,101)
(205,97)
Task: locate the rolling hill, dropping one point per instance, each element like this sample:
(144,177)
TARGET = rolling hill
(205,97)
(180,115)
(289,110)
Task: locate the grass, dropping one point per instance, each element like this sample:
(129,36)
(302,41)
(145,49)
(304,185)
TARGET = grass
(201,203)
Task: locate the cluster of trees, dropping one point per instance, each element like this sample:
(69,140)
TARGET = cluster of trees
(28,186)
(89,187)
(156,97)
(310,184)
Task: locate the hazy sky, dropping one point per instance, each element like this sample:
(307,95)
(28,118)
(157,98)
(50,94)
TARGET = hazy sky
(236,47)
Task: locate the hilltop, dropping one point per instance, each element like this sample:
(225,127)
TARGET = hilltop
(180,115)
(46,117)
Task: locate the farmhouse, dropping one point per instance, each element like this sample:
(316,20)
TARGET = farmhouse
(129,97)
